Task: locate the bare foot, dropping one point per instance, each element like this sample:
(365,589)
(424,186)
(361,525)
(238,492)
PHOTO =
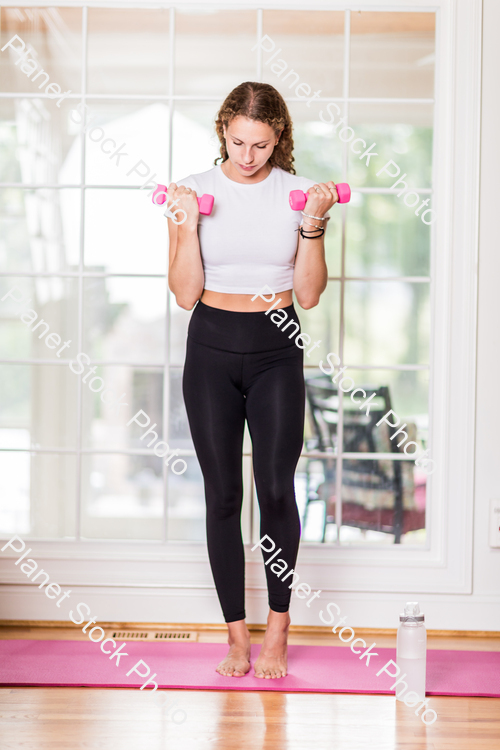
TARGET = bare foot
(237,662)
(272,660)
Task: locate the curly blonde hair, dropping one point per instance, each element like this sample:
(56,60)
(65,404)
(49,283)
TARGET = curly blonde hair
(261,102)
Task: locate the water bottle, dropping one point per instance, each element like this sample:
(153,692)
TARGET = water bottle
(411,652)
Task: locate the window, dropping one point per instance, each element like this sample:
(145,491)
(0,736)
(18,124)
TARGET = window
(90,251)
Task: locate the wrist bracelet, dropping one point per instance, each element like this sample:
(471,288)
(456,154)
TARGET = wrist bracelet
(312,225)
(310,216)
(317,233)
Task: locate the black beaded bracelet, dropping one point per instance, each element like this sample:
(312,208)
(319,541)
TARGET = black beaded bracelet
(312,235)
(317,233)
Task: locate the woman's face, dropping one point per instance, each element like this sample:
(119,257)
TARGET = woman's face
(249,144)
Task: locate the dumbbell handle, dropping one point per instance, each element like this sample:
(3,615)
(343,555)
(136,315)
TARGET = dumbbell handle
(298,198)
(205,203)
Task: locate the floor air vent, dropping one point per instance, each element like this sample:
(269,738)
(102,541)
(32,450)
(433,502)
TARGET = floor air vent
(155,635)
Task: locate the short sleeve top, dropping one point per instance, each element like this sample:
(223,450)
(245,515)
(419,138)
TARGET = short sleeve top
(250,238)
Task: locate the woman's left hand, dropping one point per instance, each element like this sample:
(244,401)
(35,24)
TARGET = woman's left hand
(321,197)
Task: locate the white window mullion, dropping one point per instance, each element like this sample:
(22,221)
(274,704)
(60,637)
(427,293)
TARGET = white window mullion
(79,402)
(259,48)
(166,371)
(340,410)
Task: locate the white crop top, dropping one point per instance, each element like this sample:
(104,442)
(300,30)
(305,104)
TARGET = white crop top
(250,238)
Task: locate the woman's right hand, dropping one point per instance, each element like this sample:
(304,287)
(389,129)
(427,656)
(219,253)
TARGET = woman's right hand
(187,206)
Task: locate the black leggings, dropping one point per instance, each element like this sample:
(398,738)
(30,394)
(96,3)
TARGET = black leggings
(242,366)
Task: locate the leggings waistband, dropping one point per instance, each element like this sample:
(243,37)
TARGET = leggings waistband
(243,332)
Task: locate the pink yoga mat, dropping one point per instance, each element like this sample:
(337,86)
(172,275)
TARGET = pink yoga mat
(318,669)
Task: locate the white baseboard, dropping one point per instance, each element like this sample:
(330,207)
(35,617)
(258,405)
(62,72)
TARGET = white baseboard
(200,605)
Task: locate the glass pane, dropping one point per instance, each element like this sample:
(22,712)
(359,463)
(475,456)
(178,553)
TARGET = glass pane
(304,47)
(406,392)
(392,54)
(333,243)
(128,51)
(122,497)
(186,504)
(213,50)
(321,323)
(39,318)
(318,156)
(179,432)
(179,322)
(106,427)
(52,39)
(124,319)
(124,233)
(382,502)
(402,134)
(37,494)
(39,142)
(313,482)
(386,323)
(38,406)
(195,144)
(385,238)
(322,406)
(126,143)
(40,230)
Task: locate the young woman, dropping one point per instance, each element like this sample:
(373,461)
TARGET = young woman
(239,364)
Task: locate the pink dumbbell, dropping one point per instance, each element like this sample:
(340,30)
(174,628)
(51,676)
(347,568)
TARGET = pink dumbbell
(205,203)
(298,198)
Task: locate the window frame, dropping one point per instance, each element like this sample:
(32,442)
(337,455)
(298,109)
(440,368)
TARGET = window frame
(445,565)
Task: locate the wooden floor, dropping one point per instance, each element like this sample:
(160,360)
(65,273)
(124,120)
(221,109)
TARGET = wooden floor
(124,719)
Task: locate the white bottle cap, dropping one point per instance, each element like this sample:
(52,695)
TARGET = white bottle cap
(412,613)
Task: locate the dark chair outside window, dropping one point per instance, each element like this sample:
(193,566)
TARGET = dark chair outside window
(377,494)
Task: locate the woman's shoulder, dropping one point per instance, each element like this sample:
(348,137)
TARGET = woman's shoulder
(293,181)
(198,181)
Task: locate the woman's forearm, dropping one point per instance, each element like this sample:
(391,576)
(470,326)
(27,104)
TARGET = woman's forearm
(310,275)
(185,267)
(186,277)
